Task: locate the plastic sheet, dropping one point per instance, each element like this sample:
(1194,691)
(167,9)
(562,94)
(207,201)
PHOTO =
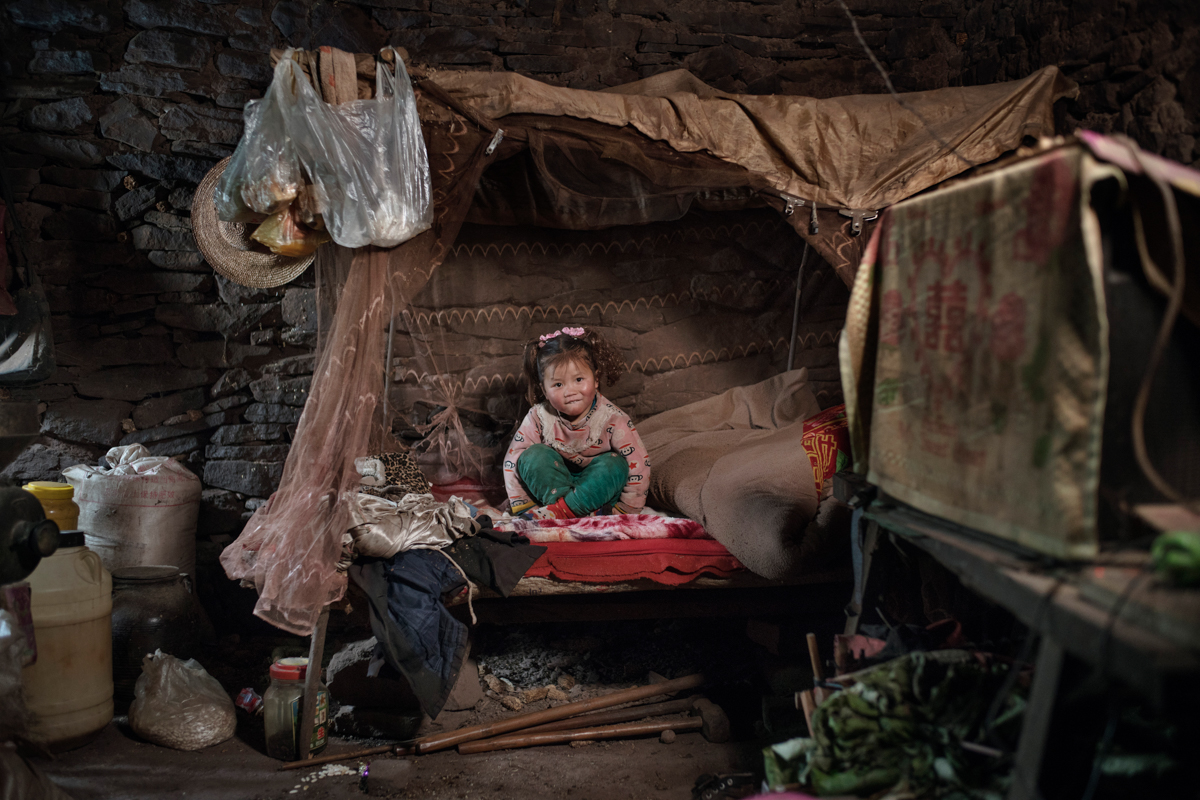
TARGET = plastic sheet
(283,233)
(365,160)
(179,705)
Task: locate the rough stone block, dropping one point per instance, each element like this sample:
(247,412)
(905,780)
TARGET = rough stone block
(46,459)
(220,354)
(182,425)
(163,167)
(123,282)
(97,180)
(114,351)
(186,15)
(231,382)
(259,452)
(242,434)
(22,180)
(55,15)
(202,124)
(273,413)
(84,198)
(60,62)
(178,260)
(563,63)
(123,122)
(300,308)
(92,421)
(292,365)
(76,224)
(75,152)
(217,318)
(225,403)
(152,412)
(176,447)
(172,221)
(152,237)
(245,477)
(254,67)
(285,391)
(61,117)
(168,49)
(133,204)
(220,512)
(146,81)
(136,383)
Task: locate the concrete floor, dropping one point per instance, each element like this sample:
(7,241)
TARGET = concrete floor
(117,766)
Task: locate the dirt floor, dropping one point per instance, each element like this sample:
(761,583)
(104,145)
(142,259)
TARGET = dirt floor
(587,660)
(117,766)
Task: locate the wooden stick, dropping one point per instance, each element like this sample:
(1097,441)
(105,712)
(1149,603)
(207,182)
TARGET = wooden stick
(370,751)
(814,655)
(808,706)
(597,718)
(441,741)
(559,737)
(312,680)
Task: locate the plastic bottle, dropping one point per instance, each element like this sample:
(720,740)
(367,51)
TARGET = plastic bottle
(282,703)
(69,690)
(58,501)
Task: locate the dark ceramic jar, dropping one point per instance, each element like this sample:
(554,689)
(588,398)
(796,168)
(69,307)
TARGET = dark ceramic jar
(153,609)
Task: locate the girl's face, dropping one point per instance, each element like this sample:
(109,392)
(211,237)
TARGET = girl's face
(570,386)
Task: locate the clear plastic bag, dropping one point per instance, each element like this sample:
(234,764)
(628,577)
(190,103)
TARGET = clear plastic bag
(177,704)
(365,160)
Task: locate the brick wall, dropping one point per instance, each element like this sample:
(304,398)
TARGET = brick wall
(114,110)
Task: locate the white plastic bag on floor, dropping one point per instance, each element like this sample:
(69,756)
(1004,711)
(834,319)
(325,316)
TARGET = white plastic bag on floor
(177,704)
(140,510)
(365,160)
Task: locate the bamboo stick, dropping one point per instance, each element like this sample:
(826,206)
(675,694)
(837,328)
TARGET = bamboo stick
(597,718)
(441,741)
(370,751)
(559,737)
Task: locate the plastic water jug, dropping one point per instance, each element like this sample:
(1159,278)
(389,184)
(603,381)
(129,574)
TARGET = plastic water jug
(69,690)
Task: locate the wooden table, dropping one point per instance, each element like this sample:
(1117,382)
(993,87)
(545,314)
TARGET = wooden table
(1046,597)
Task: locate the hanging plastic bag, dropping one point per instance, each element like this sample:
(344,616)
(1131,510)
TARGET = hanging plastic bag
(264,174)
(283,233)
(177,704)
(365,160)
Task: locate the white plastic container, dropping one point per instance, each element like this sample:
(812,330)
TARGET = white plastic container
(69,690)
(140,511)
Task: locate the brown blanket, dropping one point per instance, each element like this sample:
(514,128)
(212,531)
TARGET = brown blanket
(736,463)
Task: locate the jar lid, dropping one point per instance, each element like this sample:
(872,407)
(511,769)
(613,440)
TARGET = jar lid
(155,573)
(51,490)
(70,539)
(290,669)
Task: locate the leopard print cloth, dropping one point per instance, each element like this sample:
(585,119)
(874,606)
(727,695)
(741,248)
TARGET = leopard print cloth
(401,473)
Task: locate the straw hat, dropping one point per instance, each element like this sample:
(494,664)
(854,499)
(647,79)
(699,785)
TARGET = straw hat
(227,246)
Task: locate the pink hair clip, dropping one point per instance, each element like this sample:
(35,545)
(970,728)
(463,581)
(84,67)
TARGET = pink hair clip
(575,332)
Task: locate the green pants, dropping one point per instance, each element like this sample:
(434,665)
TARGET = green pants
(548,476)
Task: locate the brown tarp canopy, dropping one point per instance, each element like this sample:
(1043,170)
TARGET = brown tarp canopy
(576,159)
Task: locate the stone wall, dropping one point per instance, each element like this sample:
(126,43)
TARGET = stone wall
(112,112)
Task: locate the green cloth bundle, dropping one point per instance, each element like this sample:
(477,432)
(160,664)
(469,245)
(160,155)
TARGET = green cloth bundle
(900,727)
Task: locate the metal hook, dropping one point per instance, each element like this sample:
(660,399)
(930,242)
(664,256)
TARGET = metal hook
(814,227)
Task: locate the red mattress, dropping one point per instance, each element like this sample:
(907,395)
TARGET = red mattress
(667,561)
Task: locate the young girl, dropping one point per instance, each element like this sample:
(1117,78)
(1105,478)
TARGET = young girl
(575,452)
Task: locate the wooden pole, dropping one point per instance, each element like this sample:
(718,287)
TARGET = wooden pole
(370,751)
(559,737)
(312,679)
(441,741)
(598,718)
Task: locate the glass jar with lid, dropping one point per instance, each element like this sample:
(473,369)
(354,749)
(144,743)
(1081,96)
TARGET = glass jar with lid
(58,501)
(282,703)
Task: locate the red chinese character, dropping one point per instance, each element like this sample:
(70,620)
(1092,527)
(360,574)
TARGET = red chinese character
(954,298)
(933,315)
(1008,328)
(891,313)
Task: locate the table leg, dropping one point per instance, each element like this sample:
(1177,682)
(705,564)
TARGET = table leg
(1036,727)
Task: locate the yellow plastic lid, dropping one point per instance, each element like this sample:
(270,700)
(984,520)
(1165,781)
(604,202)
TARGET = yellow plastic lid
(50,490)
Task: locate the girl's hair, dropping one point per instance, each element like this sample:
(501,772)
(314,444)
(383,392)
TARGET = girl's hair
(582,345)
